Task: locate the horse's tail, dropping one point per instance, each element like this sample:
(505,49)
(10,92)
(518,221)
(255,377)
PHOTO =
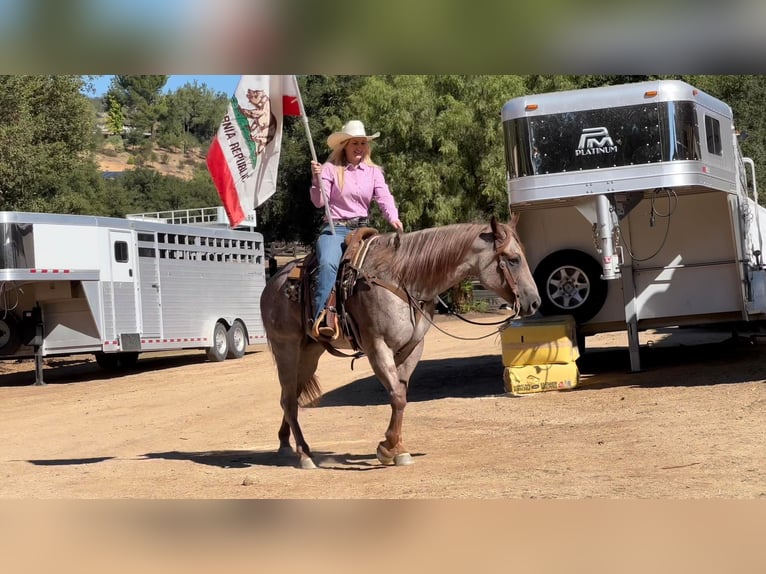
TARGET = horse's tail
(309,391)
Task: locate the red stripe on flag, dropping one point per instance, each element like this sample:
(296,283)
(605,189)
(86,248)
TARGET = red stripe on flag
(224,183)
(290,106)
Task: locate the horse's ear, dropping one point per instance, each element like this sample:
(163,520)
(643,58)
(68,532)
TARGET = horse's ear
(493,224)
(514,218)
(497,231)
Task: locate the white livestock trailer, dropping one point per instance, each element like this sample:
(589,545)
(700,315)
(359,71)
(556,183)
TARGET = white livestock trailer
(72,284)
(637,208)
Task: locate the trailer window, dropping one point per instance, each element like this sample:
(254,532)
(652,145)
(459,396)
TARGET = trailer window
(680,141)
(16,245)
(601,138)
(713,135)
(121,251)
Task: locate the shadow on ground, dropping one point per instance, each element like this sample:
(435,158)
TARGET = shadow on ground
(248,458)
(59,371)
(731,360)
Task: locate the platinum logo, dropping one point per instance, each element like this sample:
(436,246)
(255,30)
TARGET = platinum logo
(595,141)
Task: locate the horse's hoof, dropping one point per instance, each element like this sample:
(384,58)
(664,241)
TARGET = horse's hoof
(307,463)
(403,459)
(285,451)
(383,455)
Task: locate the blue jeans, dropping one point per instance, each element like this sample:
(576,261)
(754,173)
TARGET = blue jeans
(329,249)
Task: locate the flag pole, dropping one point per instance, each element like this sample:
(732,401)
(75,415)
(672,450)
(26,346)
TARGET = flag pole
(313,154)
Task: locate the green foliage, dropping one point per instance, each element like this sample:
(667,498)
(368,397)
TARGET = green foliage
(115,115)
(144,190)
(191,115)
(441,142)
(46,140)
(141,99)
(112,145)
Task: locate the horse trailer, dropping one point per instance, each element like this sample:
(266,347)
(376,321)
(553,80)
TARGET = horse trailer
(74,284)
(638,210)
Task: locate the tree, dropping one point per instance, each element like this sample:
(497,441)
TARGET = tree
(115,115)
(141,98)
(46,140)
(192,115)
(442,143)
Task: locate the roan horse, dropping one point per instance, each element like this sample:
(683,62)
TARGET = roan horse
(391,306)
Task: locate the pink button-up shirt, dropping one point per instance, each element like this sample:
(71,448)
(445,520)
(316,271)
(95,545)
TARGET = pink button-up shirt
(361,185)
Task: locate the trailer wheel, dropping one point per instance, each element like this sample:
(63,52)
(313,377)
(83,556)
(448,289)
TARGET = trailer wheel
(220,348)
(237,340)
(10,338)
(569,282)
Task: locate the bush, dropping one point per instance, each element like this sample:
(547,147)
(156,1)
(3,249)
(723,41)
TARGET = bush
(112,145)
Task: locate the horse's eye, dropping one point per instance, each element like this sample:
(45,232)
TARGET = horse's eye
(513,260)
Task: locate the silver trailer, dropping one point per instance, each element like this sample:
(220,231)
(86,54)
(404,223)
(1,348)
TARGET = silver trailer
(72,284)
(637,208)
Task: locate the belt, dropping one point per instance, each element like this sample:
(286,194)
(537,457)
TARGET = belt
(353,222)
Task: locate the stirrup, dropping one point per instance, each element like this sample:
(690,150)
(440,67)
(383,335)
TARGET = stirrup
(321,330)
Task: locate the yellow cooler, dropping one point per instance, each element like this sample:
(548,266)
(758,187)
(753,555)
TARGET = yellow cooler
(540,341)
(522,380)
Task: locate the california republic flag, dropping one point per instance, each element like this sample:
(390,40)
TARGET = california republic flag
(244,155)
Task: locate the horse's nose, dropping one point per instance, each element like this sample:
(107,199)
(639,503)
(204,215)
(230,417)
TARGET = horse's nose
(534,305)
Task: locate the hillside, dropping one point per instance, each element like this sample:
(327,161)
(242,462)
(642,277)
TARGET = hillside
(172,163)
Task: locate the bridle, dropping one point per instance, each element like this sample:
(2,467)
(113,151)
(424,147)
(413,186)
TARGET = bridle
(416,306)
(503,265)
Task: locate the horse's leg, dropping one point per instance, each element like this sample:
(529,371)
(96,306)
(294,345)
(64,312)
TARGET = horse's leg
(395,379)
(284,438)
(296,370)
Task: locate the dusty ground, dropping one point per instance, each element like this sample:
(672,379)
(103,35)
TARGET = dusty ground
(692,424)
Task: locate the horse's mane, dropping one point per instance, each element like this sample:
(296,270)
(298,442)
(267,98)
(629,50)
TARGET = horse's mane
(423,258)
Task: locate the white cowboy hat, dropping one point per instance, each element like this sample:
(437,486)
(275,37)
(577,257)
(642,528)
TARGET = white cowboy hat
(353,129)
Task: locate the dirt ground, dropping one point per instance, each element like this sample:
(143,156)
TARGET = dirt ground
(175,164)
(691,424)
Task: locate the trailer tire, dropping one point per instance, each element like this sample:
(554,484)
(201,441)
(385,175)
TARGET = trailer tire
(220,348)
(10,336)
(569,282)
(237,340)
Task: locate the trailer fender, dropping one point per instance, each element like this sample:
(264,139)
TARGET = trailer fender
(569,282)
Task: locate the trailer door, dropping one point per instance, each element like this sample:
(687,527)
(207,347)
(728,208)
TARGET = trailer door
(125,309)
(149,284)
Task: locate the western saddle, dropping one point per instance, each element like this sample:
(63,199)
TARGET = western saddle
(300,286)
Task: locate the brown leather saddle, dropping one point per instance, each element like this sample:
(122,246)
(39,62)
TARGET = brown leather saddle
(300,281)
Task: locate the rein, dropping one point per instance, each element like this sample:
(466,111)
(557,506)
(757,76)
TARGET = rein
(415,305)
(459,316)
(427,318)
(502,264)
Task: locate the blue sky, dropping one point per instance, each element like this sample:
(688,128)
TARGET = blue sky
(219,83)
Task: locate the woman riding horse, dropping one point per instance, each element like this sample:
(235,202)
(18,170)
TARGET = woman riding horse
(391,307)
(352,181)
